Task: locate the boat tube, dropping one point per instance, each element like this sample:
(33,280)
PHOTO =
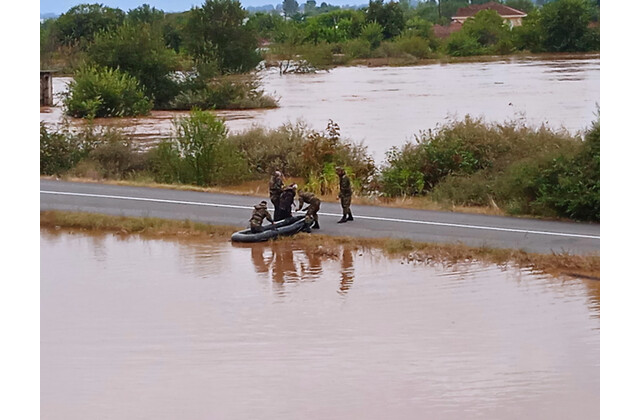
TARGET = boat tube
(286,227)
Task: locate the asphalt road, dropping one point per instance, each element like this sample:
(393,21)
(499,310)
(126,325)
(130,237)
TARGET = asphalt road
(370,221)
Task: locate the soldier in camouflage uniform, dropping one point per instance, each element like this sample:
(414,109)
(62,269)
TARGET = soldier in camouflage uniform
(312,208)
(345,195)
(276,186)
(260,212)
(285,202)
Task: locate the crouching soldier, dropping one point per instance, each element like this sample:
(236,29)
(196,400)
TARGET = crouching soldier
(312,208)
(260,212)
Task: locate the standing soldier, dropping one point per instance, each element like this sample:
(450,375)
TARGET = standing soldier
(276,185)
(312,208)
(260,212)
(286,202)
(345,195)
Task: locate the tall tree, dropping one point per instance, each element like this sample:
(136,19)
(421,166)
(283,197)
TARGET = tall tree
(565,23)
(80,23)
(388,15)
(290,7)
(216,34)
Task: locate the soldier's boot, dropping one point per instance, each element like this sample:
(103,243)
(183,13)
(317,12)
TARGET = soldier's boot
(316,225)
(350,216)
(344,218)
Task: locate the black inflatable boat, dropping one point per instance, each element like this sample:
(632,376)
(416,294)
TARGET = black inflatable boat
(288,226)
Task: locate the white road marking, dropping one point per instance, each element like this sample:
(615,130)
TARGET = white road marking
(386,219)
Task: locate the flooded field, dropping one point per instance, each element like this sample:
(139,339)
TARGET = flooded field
(137,328)
(385,106)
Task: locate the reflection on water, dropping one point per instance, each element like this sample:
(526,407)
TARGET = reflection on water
(386,106)
(135,329)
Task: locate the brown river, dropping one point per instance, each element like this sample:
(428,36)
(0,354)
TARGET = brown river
(135,328)
(386,106)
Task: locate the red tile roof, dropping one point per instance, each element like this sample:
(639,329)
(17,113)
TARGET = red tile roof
(500,8)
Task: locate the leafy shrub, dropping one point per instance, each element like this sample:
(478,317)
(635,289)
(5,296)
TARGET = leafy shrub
(103,92)
(139,50)
(117,158)
(471,190)
(59,152)
(357,48)
(200,154)
(460,44)
(372,33)
(416,46)
(299,151)
(225,92)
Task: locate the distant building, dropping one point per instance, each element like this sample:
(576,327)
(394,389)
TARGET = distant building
(513,17)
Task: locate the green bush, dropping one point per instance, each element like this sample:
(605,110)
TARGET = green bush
(59,152)
(357,48)
(117,158)
(299,151)
(416,46)
(103,92)
(200,154)
(224,92)
(460,44)
(139,50)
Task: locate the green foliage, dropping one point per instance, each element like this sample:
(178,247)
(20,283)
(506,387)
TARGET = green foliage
(388,15)
(461,44)
(104,92)
(529,36)
(373,33)
(299,151)
(145,14)
(200,154)
(564,25)
(58,152)
(357,48)
(417,46)
(570,185)
(140,50)
(80,23)
(290,7)
(224,92)
(215,33)
(486,27)
(524,171)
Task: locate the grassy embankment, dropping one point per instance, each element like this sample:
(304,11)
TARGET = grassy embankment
(554,264)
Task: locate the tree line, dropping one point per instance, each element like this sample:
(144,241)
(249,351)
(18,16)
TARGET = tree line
(126,63)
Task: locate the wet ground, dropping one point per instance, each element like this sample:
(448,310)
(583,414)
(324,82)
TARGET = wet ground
(386,106)
(137,328)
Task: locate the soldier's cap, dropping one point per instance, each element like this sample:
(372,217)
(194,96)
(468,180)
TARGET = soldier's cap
(263,202)
(294,186)
(278,173)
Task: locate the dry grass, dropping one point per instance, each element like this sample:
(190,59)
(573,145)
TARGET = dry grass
(148,226)
(554,264)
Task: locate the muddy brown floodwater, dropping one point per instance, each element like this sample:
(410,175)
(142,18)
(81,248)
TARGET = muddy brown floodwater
(136,328)
(385,106)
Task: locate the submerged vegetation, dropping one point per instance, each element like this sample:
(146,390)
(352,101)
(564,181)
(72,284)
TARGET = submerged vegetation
(520,170)
(410,251)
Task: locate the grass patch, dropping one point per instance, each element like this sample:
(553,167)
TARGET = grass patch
(148,226)
(557,264)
